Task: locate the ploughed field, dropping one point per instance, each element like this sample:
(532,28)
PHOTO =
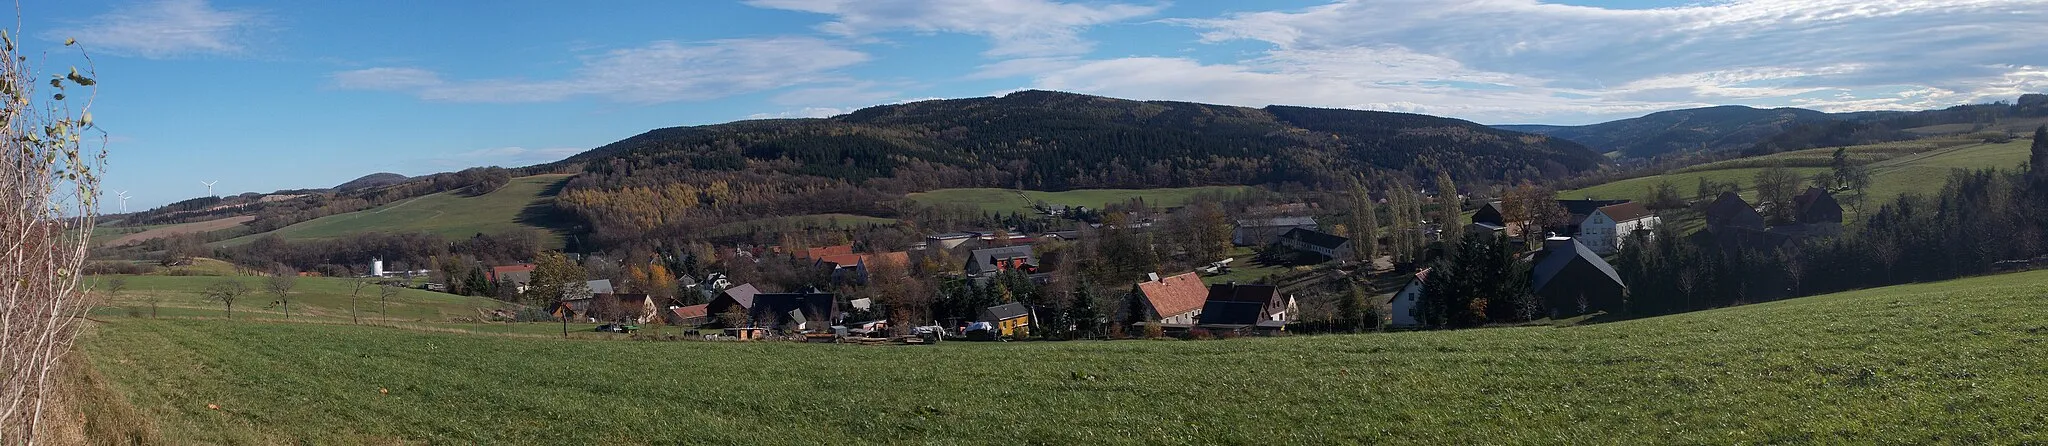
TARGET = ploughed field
(1950,362)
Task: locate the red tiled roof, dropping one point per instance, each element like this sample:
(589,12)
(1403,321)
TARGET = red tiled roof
(822,252)
(693,311)
(1625,212)
(512,268)
(1172,296)
(843,260)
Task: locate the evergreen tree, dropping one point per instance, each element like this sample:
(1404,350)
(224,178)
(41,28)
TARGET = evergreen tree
(1086,317)
(2037,165)
(1354,310)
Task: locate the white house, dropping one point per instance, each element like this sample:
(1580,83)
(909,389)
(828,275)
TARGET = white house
(1608,228)
(1403,308)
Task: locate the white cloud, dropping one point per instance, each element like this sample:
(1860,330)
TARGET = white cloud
(164,29)
(1523,60)
(659,72)
(506,157)
(1016,27)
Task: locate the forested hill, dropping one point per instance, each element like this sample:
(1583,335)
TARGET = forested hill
(676,181)
(1728,127)
(1054,141)
(1756,131)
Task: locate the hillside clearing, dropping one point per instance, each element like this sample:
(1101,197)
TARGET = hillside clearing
(1949,362)
(520,204)
(186,228)
(1005,201)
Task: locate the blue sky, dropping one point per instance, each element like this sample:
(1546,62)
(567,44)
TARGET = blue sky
(262,96)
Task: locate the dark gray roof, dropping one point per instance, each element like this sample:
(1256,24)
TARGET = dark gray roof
(1315,238)
(599,286)
(1224,312)
(1555,261)
(743,294)
(772,309)
(1006,311)
(984,260)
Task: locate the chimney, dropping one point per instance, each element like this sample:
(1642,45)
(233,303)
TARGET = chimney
(1151,277)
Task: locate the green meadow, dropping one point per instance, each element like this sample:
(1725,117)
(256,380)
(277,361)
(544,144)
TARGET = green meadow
(1955,362)
(517,205)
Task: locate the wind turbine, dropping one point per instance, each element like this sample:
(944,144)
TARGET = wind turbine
(209,187)
(124,200)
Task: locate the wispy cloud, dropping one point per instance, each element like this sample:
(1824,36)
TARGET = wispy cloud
(504,157)
(658,72)
(1016,27)
(165,29)
(1524,60)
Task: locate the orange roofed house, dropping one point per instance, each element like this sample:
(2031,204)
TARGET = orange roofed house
(1175,300)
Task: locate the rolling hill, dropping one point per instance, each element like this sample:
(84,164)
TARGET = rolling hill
(523,203)
(1713,128)
(1947,362)
(1895,168)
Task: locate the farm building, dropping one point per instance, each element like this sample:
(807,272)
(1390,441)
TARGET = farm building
(1010,319)
(1580,210)
(520,275)
(608,307)
(1571,279)
(1729,213)
(1175,300)
(689,316)
(1261,231)
(1322,243)
(809,310)
(739,298)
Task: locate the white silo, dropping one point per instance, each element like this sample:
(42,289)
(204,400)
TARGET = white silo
(377,267)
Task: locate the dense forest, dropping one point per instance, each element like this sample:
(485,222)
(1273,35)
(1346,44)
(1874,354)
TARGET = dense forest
(677,181)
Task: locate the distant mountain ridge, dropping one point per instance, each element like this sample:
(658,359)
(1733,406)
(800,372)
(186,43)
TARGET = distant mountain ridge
(1727,127)
(372,180)
(1045,140)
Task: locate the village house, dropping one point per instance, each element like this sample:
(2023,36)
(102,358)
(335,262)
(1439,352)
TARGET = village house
(736,299)
(1241,307)
(1608,228)
(1322,243)
(1260,231)
(518,275)
(853,268)
(1174,301)
(1580,210)
(589,288)
(988,261)
(809,310)
(1729,213)
(608,307)
(1010,319)
(1572,279)
(825,251)
(1402,309)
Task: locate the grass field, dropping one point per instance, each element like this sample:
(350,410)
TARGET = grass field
(161,231)
(1894,168)
(1005,201)
(1952,362)
(313,299)
(448,214)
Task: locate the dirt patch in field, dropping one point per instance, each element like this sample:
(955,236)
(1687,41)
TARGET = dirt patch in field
(187,228)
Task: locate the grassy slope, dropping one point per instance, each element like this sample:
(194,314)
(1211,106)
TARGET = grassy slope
(1020,201)
(1952,362)
(1903,170)
(314,298)
(449,214)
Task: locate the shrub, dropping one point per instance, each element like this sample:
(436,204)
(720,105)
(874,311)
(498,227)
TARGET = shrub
(1200,334)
